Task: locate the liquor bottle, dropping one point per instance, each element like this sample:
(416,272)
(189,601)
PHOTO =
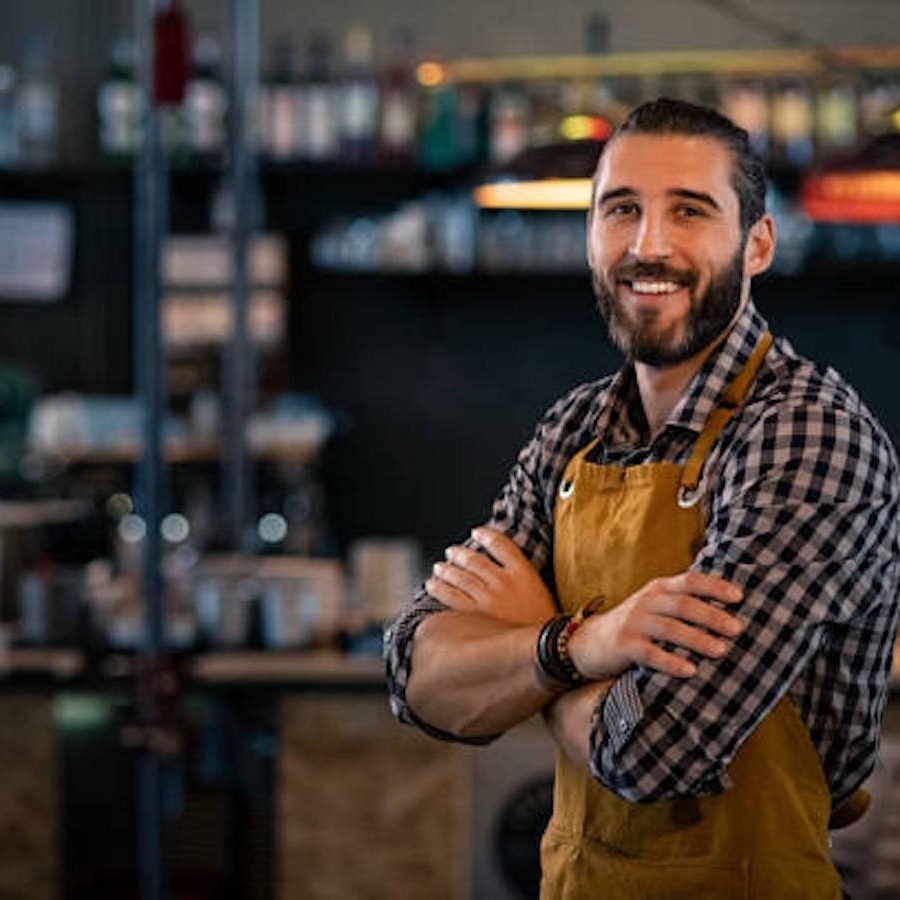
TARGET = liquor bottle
(358,97)
(439,148)
(282,105)
(792,124)
(9,134)
(319,133)
(120,104)
(206,102)
(170,74)
(879,103)
(399,102)
(37,105)
(746,103)
(547,113)
(837,116)
(510,116)
(602,102)
(472,125)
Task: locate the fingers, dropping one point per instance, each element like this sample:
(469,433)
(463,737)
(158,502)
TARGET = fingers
(655,657)
(504,549)
(476,563)
(697,612)
(675,632)
(702,584)
(460,578)
(450,596)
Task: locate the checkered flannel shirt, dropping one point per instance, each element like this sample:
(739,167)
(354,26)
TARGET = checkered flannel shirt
(801,495)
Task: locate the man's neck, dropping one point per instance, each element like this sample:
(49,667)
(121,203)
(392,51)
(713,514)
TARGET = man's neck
(662,388)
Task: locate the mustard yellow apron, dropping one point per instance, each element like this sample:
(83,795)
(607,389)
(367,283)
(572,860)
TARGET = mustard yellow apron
(766,837)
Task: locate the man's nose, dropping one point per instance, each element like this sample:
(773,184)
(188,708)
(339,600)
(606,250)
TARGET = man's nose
(652,239)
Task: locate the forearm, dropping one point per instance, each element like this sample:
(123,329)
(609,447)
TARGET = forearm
(569,719)
(473,675)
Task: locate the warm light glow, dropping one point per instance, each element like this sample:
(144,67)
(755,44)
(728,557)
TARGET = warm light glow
(895,118)
(430,74)
(582,128)
(618,65)
(856,197)
(547,193)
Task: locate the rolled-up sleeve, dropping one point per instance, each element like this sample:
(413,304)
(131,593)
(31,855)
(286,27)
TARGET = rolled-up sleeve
(523,510)
(804,517)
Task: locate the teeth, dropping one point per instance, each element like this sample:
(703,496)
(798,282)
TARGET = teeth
(654,287)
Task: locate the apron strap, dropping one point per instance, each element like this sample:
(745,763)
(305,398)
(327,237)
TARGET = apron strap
(731,401)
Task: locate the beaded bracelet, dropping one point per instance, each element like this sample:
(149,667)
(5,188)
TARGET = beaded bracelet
(553,665)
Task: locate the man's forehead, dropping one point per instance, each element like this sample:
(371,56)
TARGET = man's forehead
(667,161)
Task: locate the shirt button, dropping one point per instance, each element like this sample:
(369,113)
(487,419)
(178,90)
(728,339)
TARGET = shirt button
(623,726)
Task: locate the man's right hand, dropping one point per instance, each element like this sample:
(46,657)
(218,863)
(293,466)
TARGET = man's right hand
(671,610)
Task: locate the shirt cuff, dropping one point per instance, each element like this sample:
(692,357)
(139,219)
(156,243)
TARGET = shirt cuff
(398,638)
(621,711)
(648,756)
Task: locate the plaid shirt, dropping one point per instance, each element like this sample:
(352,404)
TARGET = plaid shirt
(802,495)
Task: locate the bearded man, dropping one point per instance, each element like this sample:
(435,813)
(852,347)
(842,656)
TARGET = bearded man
(693,568)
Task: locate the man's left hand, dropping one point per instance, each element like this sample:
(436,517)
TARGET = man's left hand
(509,589)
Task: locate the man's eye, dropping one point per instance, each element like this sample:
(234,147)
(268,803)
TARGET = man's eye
(690,212)
(621,209)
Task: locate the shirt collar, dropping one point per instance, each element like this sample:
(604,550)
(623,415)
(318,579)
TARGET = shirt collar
(621,421)
(719,370)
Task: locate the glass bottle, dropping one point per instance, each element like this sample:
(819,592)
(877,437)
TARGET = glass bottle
(837,116)
(170,74)
(120,104)
(282,100)
(358,96)
(37,104)
(206,102)
(399,102)
(746,103)
(9,134)
(510,115)
(792,124)
(319,131)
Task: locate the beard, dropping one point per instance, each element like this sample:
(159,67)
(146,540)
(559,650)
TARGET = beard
(708,313)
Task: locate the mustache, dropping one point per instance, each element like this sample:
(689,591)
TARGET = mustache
(653,271)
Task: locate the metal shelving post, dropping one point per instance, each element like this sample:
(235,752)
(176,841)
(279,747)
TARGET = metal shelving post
(150,223)
(240,368)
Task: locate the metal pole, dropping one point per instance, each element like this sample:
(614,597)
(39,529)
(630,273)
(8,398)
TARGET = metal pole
(240,369)
(150,214)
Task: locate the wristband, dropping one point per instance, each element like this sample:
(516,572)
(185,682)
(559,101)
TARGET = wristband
(550,673)
(553,665)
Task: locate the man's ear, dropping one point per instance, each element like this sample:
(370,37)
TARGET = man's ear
(760,248)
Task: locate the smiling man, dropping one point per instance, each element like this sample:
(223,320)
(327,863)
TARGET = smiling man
(693,568)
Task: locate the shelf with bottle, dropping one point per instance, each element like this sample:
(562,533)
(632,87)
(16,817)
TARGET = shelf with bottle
(447,235)
(71,430)
(276,615)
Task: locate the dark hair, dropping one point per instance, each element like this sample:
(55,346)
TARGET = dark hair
(667,116)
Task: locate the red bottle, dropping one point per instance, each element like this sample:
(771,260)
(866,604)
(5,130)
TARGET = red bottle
(172,63)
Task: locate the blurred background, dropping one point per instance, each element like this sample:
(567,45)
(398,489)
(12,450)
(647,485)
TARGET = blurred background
(280,300)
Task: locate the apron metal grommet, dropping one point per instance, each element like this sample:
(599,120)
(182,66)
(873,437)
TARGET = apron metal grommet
(566,489)
(688,497)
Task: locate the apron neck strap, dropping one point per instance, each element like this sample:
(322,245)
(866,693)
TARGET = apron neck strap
(730,403)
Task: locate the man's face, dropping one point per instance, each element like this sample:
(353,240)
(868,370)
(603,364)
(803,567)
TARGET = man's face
(665,246)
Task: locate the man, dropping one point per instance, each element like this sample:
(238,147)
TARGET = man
(718,527)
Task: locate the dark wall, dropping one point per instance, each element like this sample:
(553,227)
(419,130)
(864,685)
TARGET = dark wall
(83,341)
(443,379)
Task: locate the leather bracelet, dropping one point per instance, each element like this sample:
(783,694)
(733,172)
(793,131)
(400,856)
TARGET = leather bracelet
(553,665)
(567,664)
(549,675)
